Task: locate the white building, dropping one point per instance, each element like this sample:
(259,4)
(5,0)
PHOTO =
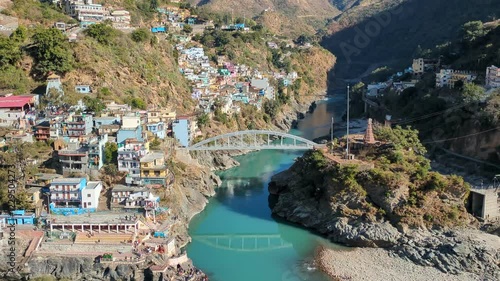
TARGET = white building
(492,77)
(129,159)
(375,89)
(90,194)
(448,77)
(74,193)
(85,10)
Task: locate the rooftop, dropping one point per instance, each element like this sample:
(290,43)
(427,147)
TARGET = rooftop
(14,101)
(152,156)
(67,181)
(93,184)
(121,187)
(94,218)
(44,176)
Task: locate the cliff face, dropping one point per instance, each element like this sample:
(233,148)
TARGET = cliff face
(327,199)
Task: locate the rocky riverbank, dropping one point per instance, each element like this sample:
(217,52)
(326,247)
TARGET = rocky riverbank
(415,225)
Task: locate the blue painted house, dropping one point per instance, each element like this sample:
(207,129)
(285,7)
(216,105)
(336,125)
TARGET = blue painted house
(158,129)
(182,131)
(159,29)
(83,89)
(18,217)
(128,133)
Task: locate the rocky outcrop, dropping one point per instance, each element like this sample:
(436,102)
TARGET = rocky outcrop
(307,196)
(77,268)
(453,251)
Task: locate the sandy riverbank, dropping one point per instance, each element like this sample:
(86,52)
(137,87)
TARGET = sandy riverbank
(375,264)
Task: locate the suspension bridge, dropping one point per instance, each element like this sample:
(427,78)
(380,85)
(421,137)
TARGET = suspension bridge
(243,242)
(255,140)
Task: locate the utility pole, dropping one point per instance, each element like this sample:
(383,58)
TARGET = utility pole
(331,134)
(347,135)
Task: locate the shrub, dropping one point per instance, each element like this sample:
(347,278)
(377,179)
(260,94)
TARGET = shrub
(140,35)
(102,33)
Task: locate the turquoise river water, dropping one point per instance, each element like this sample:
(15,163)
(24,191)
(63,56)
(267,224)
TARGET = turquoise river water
(237,239)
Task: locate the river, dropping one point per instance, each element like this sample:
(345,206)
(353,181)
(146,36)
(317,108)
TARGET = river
(237,238)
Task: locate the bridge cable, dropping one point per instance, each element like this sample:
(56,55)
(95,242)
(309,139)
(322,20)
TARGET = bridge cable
(461,137)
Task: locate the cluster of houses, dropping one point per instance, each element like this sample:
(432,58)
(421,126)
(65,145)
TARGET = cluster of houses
(87,12)
(445,77)
(227,83)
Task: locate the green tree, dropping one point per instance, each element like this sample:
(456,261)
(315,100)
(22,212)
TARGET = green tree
(102,33)
(137,103)
(203,120)
(472,93)
(153,4)
(10,53)
(140,35)
(52,51)
(53,98)
(111,153)
(187,28)
(94,104)
(472,30)
(20,34)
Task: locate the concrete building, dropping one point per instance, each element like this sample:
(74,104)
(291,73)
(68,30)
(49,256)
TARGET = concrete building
(119,18)
(42,131)
(74,195)
(131,129)
(448,77)
(85,10)
(18,217)
(129,157)
(492,77)
(96,151)
(78,125)
(484,203)
(158,129)
(422,65)
(83,89)
(181,129)
(90,194)
(106,120)
(13,109)
(120,193)
(153,169)
(83,156)
(164,115)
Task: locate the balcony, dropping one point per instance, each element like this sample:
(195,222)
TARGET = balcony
(64,190)
(72,199)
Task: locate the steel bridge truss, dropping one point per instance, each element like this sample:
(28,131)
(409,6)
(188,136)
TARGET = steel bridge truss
(254,140)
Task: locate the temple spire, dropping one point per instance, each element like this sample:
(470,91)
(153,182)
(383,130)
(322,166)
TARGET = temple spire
(369,138)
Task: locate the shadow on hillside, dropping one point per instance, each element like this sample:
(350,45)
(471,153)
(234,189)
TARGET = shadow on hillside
(392,41)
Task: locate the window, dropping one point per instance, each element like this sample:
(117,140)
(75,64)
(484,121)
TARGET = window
(88,195)
(89,204)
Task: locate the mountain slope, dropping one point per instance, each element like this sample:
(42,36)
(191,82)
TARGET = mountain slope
(393,43)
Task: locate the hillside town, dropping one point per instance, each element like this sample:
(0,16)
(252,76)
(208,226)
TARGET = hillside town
(123,222)
(445,77)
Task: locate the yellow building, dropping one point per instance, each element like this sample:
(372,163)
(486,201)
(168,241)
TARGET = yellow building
(153,169)
(164,115)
